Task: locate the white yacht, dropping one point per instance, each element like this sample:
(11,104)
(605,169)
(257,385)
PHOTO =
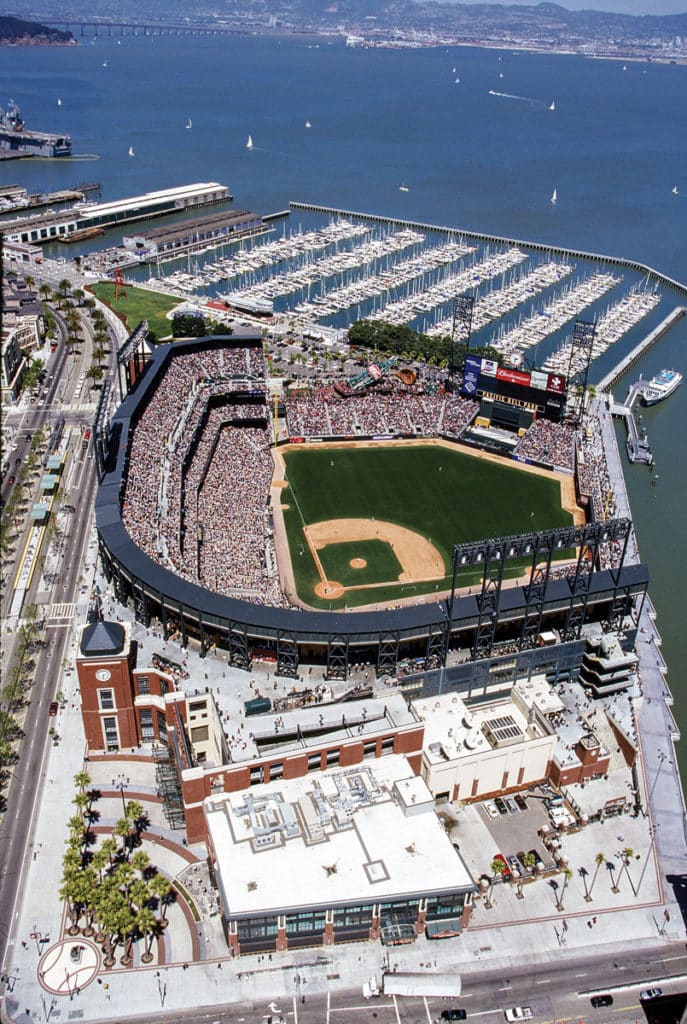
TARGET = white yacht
(661,386)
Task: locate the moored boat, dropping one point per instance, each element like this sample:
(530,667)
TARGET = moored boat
(661,386)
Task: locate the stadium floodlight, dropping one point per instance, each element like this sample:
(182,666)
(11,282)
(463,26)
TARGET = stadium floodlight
(461,324)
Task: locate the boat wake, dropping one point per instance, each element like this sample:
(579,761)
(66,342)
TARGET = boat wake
(523,99)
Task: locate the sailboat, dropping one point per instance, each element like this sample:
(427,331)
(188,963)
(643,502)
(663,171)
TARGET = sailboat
(307,124)
(554,197)
(457,82)
(104,63)
(675,191)
(59,102)
(131,151)
(249,144)
(500,74)
(552,105)
(189,123)
(403,188)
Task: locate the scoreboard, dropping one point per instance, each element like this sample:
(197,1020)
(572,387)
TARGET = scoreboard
(541,393)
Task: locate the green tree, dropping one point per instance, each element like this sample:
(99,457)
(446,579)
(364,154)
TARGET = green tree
(161,888)
(147,926)
(598,860)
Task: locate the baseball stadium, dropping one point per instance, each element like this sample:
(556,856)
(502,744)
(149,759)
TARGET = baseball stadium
(373,521)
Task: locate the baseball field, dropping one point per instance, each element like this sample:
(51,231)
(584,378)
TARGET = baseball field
(373,523)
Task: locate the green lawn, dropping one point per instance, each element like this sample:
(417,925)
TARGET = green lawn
(138,304)
(448,496)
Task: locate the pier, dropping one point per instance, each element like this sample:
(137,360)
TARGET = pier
(654,275)
(638,447)
(632,357)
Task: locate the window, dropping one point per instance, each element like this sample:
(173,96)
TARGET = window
(143,684)
(332,757)
(106,698)
(314,762)
(347,917)
(161,726)
(449,905)
(111,734)
(276,771)
(256,776)
(197,705)
(306,921)
(146,719)
(256,928)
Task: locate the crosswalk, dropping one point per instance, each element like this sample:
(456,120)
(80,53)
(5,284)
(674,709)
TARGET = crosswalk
(57,613)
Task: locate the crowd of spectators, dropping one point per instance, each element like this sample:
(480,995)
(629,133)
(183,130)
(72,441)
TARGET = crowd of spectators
(328,414)
(199,474)
(595,480)
(549,443)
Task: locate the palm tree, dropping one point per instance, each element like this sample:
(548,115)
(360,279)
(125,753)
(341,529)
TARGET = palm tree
(598,860)
(94,374)
(45,291)
(29,280)
(123,831)
(78,295)
(147,926)
(63,286)
(611,868)
(70,892)
(82,780)
(582,872)
(628,854)
(161,888)
(567,875)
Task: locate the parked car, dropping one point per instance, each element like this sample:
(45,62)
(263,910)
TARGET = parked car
(52,710)
(520,801)
(515,864)
(11,479)
(491,809)
(502,809)
(511,805)
(650,993)
(598,1001)
(516,1013)
(454,1014)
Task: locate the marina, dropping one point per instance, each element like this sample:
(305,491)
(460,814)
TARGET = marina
(316,281)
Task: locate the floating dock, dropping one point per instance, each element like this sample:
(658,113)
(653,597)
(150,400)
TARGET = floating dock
(638,447)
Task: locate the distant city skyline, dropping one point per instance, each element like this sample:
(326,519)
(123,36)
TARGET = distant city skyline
(611,6)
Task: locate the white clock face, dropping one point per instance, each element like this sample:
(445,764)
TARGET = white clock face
(102,675)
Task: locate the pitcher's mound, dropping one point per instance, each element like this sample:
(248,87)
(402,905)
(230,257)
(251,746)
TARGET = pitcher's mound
(330,590)
(358,563)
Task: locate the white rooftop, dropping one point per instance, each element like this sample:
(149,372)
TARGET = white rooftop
(338,836)
(454,731)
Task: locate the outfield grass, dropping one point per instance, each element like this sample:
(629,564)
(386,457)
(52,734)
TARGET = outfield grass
(138,304)
(447,496)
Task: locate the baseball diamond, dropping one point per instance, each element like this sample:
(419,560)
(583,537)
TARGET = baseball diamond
(341,551)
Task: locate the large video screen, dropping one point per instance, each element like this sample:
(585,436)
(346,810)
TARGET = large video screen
(536,389)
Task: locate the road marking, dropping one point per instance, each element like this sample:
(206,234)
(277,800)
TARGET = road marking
(398,1016)
(329,996)
(505,988)
(544,981)
(295,1011)
(582,975)
(429,1016)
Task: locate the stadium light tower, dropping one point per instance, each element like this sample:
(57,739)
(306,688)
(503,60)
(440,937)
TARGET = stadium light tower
(461,327)
(580,349)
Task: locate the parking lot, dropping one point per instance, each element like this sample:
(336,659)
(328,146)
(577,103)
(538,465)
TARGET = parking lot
(508,828)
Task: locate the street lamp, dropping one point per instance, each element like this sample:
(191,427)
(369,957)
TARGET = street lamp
(121,782)
(162,988)
(652,849)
